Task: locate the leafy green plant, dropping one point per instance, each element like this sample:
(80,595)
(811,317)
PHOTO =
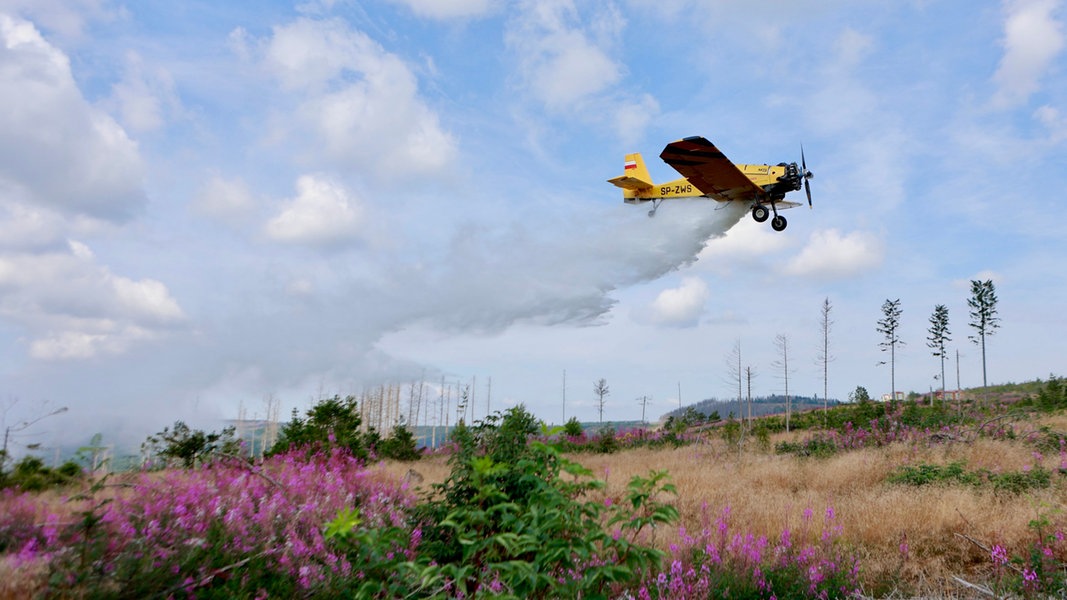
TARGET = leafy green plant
(925,474)
(817,446)
(1010,482)
(516,518)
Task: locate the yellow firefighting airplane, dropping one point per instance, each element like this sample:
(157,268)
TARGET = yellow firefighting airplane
(707,173)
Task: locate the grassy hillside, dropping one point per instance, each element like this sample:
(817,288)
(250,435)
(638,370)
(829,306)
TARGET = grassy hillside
(885,500)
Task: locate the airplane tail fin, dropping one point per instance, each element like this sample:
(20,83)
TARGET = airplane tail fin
(635,175)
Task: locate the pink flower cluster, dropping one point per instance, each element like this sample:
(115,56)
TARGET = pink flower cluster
(746,565)
(274,509)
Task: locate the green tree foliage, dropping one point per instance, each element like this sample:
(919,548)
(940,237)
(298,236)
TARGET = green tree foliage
(984,320)
(187,447)
(400,445)
(573,428)
(1053,396)
(32,475)
(331,422)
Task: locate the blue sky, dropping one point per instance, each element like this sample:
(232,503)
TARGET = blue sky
(204,204)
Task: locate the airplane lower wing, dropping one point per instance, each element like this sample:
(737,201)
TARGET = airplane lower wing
(706,167)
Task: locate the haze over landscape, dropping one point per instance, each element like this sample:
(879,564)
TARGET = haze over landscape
(205,204)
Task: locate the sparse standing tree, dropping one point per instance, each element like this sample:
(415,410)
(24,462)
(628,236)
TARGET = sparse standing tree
(736,375)
(643,401)
(887,326)
(939,334)
(749,374)
(824,357)
(601,389)
(781,342)
(983,303)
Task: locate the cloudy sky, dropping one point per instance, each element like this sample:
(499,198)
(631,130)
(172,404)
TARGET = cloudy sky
(206,204)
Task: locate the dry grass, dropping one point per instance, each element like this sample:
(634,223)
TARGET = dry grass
(768,492)
(21,580)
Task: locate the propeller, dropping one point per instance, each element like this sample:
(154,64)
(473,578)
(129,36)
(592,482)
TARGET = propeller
(806,174)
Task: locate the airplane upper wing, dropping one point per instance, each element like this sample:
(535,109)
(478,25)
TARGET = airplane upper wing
(699,161)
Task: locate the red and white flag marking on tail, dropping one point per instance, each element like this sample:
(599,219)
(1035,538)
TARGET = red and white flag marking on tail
(630,164)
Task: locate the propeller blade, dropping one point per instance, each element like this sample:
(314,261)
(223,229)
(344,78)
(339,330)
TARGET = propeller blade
(807,174)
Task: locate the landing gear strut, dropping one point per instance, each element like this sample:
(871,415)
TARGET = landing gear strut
(655,205)
(760,213)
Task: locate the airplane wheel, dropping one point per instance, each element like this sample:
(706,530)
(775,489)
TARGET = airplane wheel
(778,223)
(760,213)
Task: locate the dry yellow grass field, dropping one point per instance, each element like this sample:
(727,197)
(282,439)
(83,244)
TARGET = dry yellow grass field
(768,492)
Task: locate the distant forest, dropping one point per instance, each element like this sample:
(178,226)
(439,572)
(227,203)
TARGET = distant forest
(764,405)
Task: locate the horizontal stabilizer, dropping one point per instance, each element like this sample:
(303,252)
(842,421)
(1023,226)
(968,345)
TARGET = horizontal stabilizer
(630,183)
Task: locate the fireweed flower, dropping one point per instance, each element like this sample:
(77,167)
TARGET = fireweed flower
(1000,555)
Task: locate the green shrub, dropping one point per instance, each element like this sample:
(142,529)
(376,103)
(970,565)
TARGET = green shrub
(815,446)
(1011,482)
(514,519)
(400,445)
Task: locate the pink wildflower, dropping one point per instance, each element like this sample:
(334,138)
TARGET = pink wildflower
(1000,555)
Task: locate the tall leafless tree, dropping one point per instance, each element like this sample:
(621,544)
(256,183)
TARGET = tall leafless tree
(643,401)
(736,375)
(781,342)
(824,357)
(750,373)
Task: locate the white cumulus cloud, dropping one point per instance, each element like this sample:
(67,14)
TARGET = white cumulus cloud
(560,62)
(56,149)
(72,307)
(323,213)
(829,254)
(1032,39)
(681,306)
(450,9)
(359,105)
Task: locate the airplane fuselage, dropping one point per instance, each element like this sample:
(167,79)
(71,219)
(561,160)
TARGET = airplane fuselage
(772,178)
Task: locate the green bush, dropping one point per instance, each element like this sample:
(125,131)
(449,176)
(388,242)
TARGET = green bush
(1011,482)
(331,422)
(187,447)
(30,474)
(514,519)
(400,445)
(816,446)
